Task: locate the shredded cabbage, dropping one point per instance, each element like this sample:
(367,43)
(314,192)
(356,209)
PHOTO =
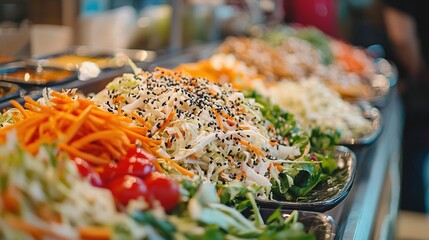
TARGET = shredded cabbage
(215,132)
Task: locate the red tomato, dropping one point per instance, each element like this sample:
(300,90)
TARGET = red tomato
(125,188)
(87,172)
(135,163)
(109,172)
(163,189)
(138,153)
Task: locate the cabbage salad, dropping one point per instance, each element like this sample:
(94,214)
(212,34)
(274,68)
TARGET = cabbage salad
(298,55)
(217,134)
(315,105)
(45,197)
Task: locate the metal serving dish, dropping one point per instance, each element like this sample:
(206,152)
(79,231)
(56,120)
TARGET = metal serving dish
(9,91)
(321,225)
(29,74)
(325,195)
(72,58)
(6,59)
(189,55)
(373,114)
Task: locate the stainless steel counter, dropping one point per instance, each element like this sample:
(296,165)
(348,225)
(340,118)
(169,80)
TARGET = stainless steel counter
(370,210)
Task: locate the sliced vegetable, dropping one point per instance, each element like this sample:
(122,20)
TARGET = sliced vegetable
(163,189)
(77,126)
(127,187)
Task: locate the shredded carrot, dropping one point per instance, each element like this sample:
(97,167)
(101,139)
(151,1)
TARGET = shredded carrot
(241,175)
(95,233)
(96,135)
(78,127)
(273,143)
(88,157)
(219,120)
(158,166)
(19,107)
(278,166)
(118,99)
(75,127)
(253,148)
(225,74)
(141,120)
(119,113)
(243,127)
(35,104)
(35,231)
(167,120)
(225,115)
(135,136)
(176,166)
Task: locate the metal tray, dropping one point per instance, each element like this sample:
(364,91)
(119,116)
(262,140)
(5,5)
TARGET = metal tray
(189,55)
(12,67)
(10,91)
(321,225)
(373,114)
(387,69)
(380,83)
(116,58)
(6,59)
(325,195)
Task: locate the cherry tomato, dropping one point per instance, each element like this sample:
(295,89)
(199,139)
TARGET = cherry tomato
(124,188)
(135,163)
(87,172)
(138,153)
(109,172)
(163,189)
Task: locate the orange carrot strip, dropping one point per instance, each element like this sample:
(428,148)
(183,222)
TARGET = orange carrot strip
(167,121)
(117,99)
(88,157)
(176,166)
(73,129)
(139,130)
(95,233)
(111,149)
(134,135)
(20,108)
(243,127)
(95,136)
(36,104)
(278,166)
(141,120)
(94,147)
(34,231)
(225,115)
(29,134)
(59,95)
(34,121)
(253,148)
(219,121)
(158,166)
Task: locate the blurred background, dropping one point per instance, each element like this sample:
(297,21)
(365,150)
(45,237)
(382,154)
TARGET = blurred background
(146,24)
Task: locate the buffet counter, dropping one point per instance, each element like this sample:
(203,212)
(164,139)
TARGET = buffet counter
(370,210)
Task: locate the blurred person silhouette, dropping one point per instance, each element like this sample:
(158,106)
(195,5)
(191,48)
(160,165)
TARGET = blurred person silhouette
(407,25)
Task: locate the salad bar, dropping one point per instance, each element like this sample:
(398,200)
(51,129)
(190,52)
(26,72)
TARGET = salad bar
(286,135)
